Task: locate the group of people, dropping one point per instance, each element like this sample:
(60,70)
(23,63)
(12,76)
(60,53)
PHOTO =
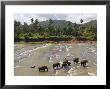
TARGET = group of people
(65,64)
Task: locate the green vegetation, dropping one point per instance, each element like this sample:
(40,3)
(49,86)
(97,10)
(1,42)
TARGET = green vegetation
(63,31)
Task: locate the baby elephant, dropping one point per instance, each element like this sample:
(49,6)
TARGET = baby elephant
(76,60)
(84,62)
(43,68)
(56,65)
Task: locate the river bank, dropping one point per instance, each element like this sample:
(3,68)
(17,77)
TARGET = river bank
(56,42)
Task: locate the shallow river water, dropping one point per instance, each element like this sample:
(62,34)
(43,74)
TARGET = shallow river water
(27,55)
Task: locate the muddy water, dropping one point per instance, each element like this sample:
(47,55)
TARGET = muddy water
(27,55)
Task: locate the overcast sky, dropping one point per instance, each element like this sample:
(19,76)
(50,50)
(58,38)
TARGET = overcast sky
(68,17)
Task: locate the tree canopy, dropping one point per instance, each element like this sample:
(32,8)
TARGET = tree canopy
(67,31)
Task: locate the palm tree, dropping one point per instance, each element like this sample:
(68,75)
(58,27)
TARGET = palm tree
(32,20)
(81,21)
(36,21)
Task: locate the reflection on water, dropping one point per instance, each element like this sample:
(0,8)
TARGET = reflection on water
(27,55)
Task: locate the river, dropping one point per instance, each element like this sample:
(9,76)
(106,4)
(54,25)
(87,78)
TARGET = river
(27,55)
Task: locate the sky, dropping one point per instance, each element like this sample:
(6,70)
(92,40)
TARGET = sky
(75,17)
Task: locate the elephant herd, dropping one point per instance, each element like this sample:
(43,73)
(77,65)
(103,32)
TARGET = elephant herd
(65,64)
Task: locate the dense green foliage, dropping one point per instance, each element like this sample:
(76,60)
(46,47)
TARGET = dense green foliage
(51,32)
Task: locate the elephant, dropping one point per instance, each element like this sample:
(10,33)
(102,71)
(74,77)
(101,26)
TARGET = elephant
(56,65)
(64,65)
(76,60)
(43,68)
(84,62)
(67,62)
